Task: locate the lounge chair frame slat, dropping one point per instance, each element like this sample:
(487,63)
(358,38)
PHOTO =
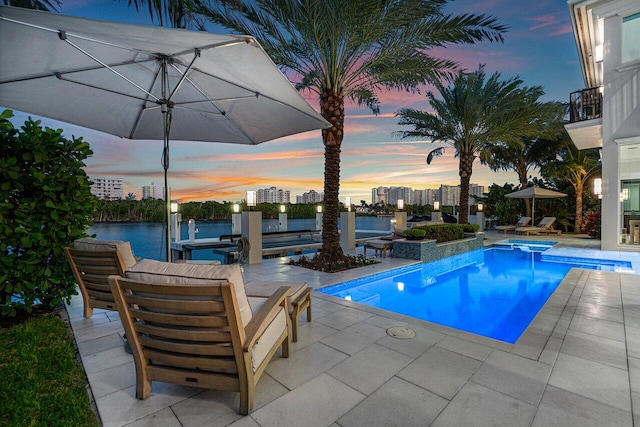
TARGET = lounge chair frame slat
(192,306)
(184,334)
(225,365)
(203,349)
(191,320)
(210,380)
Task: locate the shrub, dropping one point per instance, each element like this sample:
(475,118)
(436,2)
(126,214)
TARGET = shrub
(591,224)
(445,232)
(45,204)
(415,233)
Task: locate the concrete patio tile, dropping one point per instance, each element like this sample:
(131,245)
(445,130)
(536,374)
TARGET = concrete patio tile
(551,351)
(326,305)
(318,402)
(105,359)
(370,368)
(344,318)
(98,331)
(245,422)
(384,322)
(220,408)
(598,349)
(86,348)
(441,371)
(355,337)
(560,408)
(530,344)
(112,379)
(414,347)
(466,348)
(634,374)
(596,381)
(601,328)
(476,405)
(122,407)
(514,376)
(162,418)
(396,403)
(613,314)
(311,332)
(633,341)
(82,322)
(305,364)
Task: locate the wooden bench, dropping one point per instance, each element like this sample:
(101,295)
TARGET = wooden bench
(379,245)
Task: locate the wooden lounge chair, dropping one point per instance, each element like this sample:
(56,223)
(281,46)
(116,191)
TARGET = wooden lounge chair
(187,326)
(92,261)
(522,222)
(544,226)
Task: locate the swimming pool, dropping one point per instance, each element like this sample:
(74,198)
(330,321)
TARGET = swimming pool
(494,292)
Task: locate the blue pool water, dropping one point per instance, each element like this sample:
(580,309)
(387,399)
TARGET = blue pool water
(492,292)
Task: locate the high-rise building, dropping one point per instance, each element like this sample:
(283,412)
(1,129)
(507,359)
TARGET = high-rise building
(379,195)
(449,195)
(394,194)
(425,197)
(310,197)
(153,191)
(273,195)
(106,188)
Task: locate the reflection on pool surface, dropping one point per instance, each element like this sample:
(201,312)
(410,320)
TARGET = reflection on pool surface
(492,292)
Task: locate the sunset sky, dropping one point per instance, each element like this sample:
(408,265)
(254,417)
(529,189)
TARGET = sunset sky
(539,47)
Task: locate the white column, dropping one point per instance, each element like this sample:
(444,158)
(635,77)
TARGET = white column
(252,231)
(236,223)
(347,230)
(436,216)
(480,220)
(401,220)
(319,221)
(282,220)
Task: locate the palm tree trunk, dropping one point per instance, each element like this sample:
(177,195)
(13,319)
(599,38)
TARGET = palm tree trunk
(579,190)
(332,109)
(466,168)
(523,185)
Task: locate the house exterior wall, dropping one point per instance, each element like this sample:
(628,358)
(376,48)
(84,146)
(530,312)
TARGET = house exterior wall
(621,104)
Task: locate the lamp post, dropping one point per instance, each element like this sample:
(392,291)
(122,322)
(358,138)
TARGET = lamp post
(251,199)
(236,220)
(480,216)
(252,229)
(176,218)
(348,227)
(282,218)
(400,216)
(435,215)
(319,218)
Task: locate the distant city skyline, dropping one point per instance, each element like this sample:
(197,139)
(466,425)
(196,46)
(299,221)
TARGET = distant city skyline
(539,47)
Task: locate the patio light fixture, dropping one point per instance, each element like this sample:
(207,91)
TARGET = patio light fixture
(480,207)
(282,208)
(400,204)
(174,206)
(597,187)
(236,208)
(319,208)
(347,201)
(251,199)
(436,205)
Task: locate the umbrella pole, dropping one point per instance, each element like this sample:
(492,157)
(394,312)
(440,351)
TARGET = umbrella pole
(166,114)
(533,212)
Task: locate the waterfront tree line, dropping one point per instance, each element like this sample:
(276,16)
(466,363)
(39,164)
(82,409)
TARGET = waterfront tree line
(152,210)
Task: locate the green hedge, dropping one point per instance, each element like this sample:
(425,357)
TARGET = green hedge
(45,204)
(447,232)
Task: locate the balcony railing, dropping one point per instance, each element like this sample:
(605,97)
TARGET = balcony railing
(585,104)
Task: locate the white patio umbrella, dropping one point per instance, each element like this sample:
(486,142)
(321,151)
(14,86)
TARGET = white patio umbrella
(535,193)
(143,82)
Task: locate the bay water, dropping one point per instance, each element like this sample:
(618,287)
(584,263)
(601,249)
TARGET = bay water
(148,238)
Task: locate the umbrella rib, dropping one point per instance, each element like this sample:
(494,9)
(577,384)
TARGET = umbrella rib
(64,38)
(60,77)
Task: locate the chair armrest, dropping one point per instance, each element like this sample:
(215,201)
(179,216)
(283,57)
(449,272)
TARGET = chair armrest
(259,322)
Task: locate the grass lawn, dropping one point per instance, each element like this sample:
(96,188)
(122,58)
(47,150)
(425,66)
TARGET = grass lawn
(41,382)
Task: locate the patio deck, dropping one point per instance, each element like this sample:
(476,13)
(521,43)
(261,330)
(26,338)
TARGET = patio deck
(577,364)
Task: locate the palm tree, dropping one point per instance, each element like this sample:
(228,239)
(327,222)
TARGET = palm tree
(46,5)
(351,49)
(535,151)
(473,114)
(173,13)
(575,167)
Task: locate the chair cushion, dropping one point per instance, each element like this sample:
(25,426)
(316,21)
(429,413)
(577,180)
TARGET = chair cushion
(91,244)
(268,339)
(184,274)
(266,288)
